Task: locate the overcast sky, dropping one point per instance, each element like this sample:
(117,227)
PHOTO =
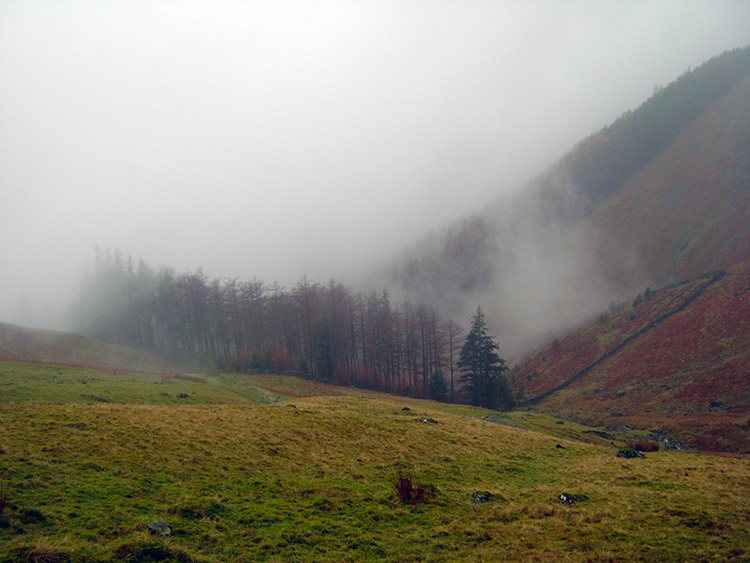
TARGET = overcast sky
(272,139)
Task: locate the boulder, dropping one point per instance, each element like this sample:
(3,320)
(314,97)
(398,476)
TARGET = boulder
(629,453)
(481,496)
(159,527)
(570,500)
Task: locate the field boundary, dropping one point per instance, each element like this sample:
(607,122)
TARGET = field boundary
(714,277)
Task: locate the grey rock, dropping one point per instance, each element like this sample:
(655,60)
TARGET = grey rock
(629,453)
(159,527)
(481,496)
(570,500)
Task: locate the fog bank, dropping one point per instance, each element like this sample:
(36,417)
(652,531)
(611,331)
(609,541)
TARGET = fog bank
(276,139)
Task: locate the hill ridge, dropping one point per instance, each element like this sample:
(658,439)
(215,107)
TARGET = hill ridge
(662,194)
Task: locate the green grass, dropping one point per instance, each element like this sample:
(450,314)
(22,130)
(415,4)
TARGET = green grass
(309,478)
(43,382)
(29,344)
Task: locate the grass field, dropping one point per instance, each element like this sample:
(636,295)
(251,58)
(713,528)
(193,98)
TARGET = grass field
(252,468)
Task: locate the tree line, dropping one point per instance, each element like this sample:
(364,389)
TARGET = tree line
(322,331)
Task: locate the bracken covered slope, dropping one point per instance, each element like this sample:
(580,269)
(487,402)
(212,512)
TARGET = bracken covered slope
(688,210)
(677,358)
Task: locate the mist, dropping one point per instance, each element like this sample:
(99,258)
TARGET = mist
(276,140)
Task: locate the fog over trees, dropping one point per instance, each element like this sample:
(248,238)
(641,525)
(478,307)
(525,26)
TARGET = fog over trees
(282,138)
(323,331)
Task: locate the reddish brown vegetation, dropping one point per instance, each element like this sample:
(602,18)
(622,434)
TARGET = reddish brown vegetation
(689,375)
(410,491)
(642,445)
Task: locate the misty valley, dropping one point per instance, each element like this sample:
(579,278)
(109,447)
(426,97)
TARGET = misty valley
(561,375)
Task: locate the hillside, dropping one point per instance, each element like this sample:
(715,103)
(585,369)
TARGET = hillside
(59,347)
(660,195)
(688,210)
(312,479)
(676,358)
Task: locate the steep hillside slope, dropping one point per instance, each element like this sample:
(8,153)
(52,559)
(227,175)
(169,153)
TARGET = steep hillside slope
(660,195)
(677,358)
(688,210)
(35,345)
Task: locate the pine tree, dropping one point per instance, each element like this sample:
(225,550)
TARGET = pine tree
(483,369)
(324,360)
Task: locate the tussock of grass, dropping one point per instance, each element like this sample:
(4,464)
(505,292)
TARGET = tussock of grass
(409,490)
(643,445)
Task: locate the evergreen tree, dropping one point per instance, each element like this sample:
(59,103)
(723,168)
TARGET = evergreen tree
(324,360)
(438,388)
(483,369)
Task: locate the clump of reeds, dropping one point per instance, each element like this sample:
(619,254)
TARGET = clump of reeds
(410,491)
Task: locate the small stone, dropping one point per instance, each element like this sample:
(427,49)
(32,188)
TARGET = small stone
(481,496)
(160,527)
(570,500)
(629,453)
(427,419)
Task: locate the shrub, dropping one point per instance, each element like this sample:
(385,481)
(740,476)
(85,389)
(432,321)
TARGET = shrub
(31,516)
(409,491)
(642,445)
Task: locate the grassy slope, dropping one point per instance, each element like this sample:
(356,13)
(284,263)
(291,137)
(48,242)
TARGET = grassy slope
(308,479)
(28,344)
(689,375)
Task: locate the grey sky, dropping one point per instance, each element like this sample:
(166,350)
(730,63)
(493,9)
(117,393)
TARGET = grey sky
(280,138)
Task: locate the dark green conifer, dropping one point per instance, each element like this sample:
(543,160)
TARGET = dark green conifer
(483,369)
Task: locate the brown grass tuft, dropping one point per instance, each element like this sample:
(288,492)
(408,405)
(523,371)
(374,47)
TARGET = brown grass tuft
(43,552)
(642,445)
(410,491)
